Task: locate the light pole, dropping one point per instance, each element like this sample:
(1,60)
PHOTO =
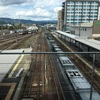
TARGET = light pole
(79,29)
(93,70)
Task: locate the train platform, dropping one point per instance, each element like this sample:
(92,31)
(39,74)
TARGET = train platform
(77,82)
(80,57)
(22,62)
(82,40)
(10,66)
(7,62)
(67,34)
(25,64)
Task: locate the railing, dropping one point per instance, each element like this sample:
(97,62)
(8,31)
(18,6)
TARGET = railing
(72,53)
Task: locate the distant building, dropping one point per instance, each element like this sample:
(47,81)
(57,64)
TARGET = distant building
(51,27)
(88,30)
(79,11)
(32,28)
(96,29)
(84,29)
(59,23)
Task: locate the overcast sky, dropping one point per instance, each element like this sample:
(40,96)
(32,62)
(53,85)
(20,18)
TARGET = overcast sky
(30,9)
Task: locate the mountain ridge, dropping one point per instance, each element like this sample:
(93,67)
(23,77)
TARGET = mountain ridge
(24,21)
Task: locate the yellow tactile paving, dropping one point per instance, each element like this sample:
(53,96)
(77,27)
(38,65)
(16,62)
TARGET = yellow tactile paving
(16,66)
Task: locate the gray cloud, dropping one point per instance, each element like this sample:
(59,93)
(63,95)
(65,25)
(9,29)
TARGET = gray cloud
(12,2)
(30,9)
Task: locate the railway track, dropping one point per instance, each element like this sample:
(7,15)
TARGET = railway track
(42,82)
(83,66)
(35,82)
(9,37)
(14,43)
(58,90)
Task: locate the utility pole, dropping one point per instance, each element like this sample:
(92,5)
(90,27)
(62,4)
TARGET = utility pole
(79,29)
(93,70)
(65,15)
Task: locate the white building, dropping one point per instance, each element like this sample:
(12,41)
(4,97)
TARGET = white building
(84,29)
(87,30)
(32,28)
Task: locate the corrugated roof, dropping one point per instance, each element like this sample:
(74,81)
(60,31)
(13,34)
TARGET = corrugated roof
(90,42)
(80,83)
(86,95)
(68,35)
(65,60)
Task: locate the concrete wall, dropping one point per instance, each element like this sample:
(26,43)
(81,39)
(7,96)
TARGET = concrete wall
(59,24)
(96,27)
(83,31)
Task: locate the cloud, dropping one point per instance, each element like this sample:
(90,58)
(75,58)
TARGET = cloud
(25,13)
(11,2)
(37,13)
(56,9)
(30,9)
(45,3)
